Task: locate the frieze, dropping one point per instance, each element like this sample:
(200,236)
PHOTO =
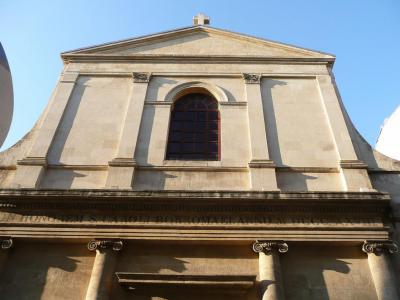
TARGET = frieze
(205,220)
(187,205)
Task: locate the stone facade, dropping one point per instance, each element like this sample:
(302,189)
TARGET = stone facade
(298,206)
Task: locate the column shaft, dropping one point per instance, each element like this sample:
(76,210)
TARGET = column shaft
(102,275)
(270,276)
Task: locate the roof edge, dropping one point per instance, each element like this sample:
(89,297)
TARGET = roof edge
(144,38)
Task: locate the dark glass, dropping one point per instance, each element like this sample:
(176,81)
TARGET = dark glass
(194,129)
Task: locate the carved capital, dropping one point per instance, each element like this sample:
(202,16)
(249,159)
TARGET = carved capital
(268,246)
(379,247)
(141,77)
(6,243)
(115,245)
(251,78)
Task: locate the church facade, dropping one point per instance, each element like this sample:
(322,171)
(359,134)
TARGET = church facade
(197,163)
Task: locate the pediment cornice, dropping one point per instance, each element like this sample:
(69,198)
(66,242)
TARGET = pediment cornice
(111,51)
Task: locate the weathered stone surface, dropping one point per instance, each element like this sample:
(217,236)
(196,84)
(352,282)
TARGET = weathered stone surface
(292,172)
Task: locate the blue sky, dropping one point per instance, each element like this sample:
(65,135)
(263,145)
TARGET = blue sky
(364,36)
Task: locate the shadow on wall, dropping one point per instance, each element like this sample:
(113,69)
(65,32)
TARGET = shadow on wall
(148,180)
(271,125)
(323,273)
(66,177)
(153,92)
(26,275)
(67,121)
(174,259)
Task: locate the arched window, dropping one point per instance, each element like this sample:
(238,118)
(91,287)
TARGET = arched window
(194,132)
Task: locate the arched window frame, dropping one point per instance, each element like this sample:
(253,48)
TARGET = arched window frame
(180,94)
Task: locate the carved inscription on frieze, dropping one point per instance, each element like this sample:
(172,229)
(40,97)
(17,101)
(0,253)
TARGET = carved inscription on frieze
(192,220)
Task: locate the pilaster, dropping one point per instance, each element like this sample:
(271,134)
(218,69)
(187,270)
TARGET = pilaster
(354,172)
(122,167)
(270,276)
(103,268)
(381,268)
(31,168)
(262,169)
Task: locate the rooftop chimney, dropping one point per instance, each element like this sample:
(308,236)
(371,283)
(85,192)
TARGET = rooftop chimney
(201,19)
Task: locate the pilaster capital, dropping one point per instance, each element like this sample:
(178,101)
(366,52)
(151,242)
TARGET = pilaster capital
(352,164)
(261,163)
(69,77)
(122,162)
(268,246)
(141,77)
(379,247)
(100,244)
(6,243)
(33,161)
(252,78)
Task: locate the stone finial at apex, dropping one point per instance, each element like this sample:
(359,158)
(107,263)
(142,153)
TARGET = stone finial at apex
(201,19)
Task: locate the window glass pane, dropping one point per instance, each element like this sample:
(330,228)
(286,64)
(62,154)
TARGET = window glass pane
(201,116)
(213,135)
(213,125)
(213,147)
(200,137)
(175,136)
(188,137)
(212,115)
(190,116)
(178,115)
(194,128)
(198,147)
(174,148)
(187,147)
(176,125)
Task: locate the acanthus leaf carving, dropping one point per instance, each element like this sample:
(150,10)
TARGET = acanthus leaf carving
(141,77)
(251,78)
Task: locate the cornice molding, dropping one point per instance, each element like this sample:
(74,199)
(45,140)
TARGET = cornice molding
(263,202)
(70,58)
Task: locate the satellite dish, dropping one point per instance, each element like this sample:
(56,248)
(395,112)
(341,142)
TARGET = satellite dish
(6,96)
(388,141)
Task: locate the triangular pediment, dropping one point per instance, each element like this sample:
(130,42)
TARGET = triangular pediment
(200,41)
